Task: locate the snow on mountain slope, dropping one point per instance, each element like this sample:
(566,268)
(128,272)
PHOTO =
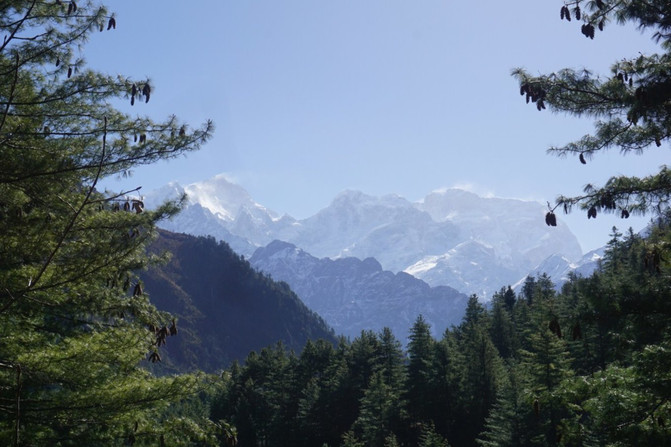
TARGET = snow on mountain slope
(513,228)
(452,237)
(470,266)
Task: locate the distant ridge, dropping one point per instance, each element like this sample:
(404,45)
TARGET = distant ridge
(354,295)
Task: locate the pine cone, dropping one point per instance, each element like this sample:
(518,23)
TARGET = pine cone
(146,91)
(551,219)
(524,88)
(591,213)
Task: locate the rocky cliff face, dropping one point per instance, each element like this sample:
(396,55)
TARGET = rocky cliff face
(354,295)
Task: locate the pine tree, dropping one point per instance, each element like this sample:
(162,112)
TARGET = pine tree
(482,373)
(449,367)
(378,412)
(420,379)
(502,332)
(390,361)
(429,438)
(545,366)
(630,105)
(75,322)
(505,425)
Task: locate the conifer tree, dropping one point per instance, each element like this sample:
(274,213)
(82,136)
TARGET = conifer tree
(390,361)
(378,412)
(449,367)
(482,372)
(546,365)
(501,329)
(75,322)
(420,378)
(630,104)
(506,423)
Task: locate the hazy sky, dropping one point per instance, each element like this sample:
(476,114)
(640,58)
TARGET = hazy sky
(310,97)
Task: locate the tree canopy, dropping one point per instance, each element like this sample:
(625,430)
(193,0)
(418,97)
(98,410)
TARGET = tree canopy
(77,329)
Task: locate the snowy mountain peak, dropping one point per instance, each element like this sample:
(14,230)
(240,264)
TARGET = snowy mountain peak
(223,198)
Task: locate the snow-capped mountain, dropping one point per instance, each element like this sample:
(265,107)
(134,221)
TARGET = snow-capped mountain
(220,209)
(352,295)
(452,237)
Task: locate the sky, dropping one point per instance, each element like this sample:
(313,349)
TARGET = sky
(310,98)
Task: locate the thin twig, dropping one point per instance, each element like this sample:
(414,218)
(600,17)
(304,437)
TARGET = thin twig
(11,93)
(18,26)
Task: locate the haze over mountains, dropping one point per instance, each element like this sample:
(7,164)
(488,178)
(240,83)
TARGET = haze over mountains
(451,238)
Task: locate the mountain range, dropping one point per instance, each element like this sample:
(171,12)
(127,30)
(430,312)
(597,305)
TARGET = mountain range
(353,294)
(450,238)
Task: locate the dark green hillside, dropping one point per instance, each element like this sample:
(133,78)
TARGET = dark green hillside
(224,308)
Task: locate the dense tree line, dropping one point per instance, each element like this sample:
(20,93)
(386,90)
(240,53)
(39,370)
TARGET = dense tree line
(589,365)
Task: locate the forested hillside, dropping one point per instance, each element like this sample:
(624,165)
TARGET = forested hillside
(223,307)
(590,365)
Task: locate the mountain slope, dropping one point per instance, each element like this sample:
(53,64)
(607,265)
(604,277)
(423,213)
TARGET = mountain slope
(225,309)
(354,295)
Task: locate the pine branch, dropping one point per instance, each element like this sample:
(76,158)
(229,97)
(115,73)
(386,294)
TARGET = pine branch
(74,218)
(18,26)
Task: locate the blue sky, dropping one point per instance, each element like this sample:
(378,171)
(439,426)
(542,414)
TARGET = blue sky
(310,98)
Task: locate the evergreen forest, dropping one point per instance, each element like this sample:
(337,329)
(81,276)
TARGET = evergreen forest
(90,355)
(589,365)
